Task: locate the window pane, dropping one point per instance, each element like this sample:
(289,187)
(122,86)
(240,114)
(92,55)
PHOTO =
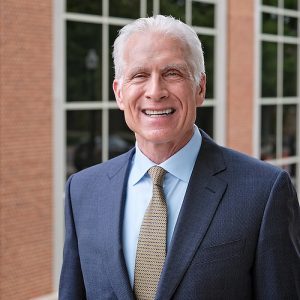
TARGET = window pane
(270,2)
(83,139)
(208,49)
(124,8)
(290,70)
(291,4)
(290,26)
(175,8)
(121,138)
(203,14)
(292,170)
(269,70)
(83,61)
(205,119)
(269,23)
(85,7)
(268,132)
(113,33)
(150,8)
(289,130)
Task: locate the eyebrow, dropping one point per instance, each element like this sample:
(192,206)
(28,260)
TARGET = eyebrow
(181,67)
(138,69)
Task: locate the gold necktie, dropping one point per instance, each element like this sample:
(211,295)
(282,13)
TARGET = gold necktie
(151,248)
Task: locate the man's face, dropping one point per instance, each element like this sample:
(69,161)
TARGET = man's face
(157,91)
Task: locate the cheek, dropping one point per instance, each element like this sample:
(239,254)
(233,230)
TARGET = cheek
(131,98)
(190,108)
(130,113)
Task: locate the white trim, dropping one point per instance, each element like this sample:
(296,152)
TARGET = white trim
(277,101)
(188,12)
(156,7)
(208,1)
(58,136)
(105,10)
(89,105)
(96,19)
(256,80)
(281,39)
(279,109)
(208,31)
(220,64)
(279,127)
(284,161)
(143,8)
(298,112)
(210,102)
(279,11)
(53,296)
(105,92)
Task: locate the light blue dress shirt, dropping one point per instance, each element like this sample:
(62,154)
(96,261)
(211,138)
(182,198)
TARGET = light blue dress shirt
(139,193)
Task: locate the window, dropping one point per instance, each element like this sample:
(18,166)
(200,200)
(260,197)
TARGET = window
(279,98)
(89,128)
(95,128)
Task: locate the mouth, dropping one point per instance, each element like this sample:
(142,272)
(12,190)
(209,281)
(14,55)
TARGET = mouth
(158,113)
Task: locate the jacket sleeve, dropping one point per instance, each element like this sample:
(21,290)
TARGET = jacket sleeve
(277,263)
(71,285)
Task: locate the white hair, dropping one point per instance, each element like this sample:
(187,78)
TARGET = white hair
(165,25)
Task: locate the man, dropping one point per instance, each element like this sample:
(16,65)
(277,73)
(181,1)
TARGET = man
(232,228)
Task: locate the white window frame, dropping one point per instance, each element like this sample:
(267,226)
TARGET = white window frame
(279,100)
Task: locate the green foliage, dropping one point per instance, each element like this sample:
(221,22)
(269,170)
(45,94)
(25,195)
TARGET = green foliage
(124,8)
(85,6)
(203,14)
(290,70)
(175,8)
(83,84)
(269,69)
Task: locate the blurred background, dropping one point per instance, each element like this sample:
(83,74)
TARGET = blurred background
(58,114)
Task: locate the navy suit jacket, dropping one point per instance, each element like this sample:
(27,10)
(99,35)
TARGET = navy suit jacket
(237,235)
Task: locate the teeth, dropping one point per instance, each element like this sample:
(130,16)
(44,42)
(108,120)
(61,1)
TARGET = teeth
(158,112)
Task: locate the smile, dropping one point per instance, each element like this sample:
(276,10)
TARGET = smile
(158,113)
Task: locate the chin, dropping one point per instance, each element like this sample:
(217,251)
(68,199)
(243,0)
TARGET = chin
(160,134)
(161,139)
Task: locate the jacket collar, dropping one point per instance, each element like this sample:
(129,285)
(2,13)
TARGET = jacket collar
(203,195)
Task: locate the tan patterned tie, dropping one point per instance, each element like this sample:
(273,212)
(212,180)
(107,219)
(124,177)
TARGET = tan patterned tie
(151,248)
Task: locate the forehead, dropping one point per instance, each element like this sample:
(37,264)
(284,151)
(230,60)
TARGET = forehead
(152,47)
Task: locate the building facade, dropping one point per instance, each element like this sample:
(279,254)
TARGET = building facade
(58,114)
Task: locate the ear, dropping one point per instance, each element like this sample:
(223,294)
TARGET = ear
(201,90)
(117,87)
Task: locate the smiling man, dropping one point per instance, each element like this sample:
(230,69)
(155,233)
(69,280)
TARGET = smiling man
(158,93)
(177,217)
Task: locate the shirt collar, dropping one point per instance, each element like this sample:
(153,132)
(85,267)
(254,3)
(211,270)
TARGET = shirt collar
(179,165)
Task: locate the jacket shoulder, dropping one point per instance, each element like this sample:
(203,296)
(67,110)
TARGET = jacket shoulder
(107,168)
(238,164)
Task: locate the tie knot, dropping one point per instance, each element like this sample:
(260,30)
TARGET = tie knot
(157,174)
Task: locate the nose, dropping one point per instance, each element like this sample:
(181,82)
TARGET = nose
(156,89)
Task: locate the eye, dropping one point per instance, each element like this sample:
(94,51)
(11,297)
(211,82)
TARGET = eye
(139,76)
(172,74)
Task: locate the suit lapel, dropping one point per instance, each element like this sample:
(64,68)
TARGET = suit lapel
(202,198)
(115,262)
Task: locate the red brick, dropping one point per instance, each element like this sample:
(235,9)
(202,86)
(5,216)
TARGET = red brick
(240,96)
(25,152)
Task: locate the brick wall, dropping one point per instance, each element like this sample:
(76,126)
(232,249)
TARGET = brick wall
(240,92)
(25,148)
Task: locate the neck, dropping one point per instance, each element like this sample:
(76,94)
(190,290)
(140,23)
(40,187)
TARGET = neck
(160,152)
